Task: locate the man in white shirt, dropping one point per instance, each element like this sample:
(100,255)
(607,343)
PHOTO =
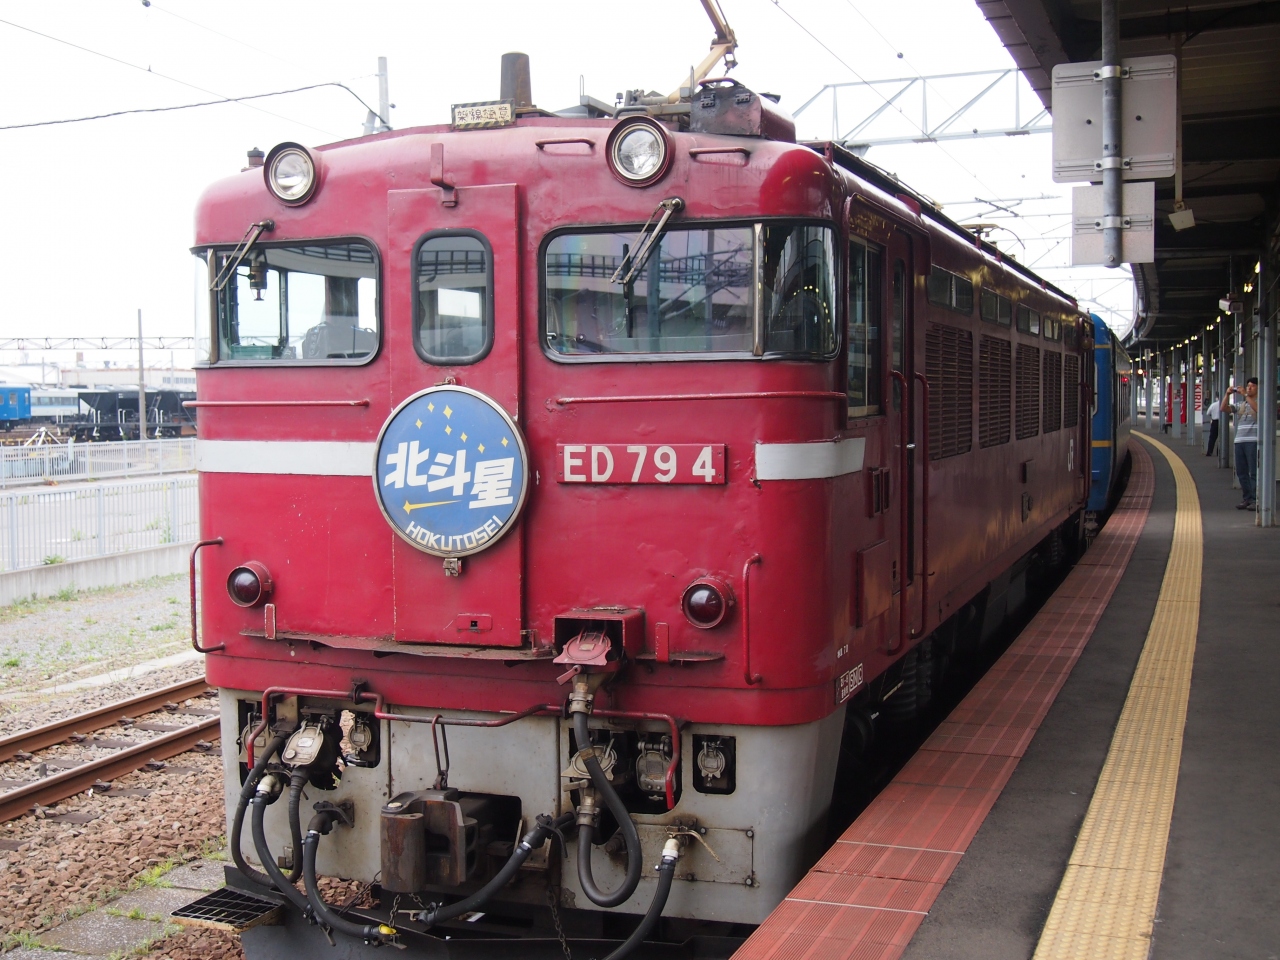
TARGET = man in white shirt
(1214,411)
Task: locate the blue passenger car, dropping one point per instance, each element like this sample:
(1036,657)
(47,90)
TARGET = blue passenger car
(15,406)
(1113,383)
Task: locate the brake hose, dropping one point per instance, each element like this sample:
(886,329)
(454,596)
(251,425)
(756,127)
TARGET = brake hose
(237,823)
(322,822)
(586,831)
(545,827)
(666,873)
(260,801)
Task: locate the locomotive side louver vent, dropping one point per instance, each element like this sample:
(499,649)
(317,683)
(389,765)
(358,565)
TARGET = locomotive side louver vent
(1028,387)
(949,367)
(1071,392)
(1052,391)
(995,391)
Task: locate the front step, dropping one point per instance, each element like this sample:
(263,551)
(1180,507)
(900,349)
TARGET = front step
(229,909)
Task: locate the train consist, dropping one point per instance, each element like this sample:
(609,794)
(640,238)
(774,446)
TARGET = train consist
(96,415)
(1113,398)
(592,482)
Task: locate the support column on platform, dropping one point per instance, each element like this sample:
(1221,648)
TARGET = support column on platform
(1195,378)
(1150,366)
(1175,392)
(1134,380)
(1224,371)
(1162,395)
(1266,401)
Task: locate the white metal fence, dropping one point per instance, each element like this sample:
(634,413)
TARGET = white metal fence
(95,519)
(95,461)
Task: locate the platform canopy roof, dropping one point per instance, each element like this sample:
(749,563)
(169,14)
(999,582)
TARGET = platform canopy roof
(1230,53)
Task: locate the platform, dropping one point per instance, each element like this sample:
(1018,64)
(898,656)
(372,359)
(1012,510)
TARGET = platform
(1109,788)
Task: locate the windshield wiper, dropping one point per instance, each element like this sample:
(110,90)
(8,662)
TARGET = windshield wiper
(646,241)
(241,251)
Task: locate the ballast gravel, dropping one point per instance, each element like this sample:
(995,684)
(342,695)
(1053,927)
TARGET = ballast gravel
(61,869)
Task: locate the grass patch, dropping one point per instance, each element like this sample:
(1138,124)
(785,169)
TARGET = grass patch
(154,876)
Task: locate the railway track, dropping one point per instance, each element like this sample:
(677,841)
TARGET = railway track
(125,758)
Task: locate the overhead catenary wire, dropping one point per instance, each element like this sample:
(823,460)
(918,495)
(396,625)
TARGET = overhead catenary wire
(818,40)
(156,73)
(192,106)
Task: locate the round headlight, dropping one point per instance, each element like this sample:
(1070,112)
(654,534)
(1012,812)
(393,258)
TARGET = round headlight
(290,172)
(706,602)
(638,153)
(249,584)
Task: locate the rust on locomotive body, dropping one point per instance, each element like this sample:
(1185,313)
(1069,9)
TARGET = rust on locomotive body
(796,389)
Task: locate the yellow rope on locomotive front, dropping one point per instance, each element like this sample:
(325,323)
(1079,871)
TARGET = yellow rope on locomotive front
(1106,905)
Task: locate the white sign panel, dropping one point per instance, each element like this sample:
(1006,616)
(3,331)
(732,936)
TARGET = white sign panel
(1137,239)
(1148,119)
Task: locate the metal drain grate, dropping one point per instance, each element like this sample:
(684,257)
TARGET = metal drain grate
(228,909)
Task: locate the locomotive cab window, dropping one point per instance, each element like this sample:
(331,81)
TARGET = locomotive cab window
(725,291)
(452,308)
(316,302)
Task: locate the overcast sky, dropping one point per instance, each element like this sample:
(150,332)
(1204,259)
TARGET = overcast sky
(97,215)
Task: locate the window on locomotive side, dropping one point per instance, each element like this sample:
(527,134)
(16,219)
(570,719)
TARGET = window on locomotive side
(996,309)
(1028,321)
(949,290)
(866,265)
(316,302)
(695,294)
(453,313)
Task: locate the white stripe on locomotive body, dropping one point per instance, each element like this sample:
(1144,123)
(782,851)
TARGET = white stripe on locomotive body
(325,458)
(809,461)
(314,458)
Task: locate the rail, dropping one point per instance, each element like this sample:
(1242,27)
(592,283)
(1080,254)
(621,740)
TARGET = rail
(21,466)
(15,803)
(79,521)
(59,731)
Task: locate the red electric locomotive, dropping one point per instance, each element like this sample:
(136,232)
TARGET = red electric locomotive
(584,480)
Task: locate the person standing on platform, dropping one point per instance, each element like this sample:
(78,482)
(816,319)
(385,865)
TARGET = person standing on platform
(1246,414)
(1212,413)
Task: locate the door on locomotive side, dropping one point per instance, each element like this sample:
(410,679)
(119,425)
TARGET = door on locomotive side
(879,381)
(453,470)
(906,421)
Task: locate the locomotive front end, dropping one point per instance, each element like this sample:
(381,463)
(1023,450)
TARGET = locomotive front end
(522,442)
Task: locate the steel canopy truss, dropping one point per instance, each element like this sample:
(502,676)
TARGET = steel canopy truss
(989,105)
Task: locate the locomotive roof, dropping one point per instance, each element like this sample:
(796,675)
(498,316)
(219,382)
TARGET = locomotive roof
(889,183)
(834,153)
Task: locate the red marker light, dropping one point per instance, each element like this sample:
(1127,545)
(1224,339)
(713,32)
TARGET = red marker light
(249,584)
(706,602)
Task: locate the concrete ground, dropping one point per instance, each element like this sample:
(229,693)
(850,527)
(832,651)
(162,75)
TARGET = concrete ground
(1223,861)
(128,924)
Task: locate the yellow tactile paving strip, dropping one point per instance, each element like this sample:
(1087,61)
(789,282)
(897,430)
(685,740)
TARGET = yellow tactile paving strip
(1106,905)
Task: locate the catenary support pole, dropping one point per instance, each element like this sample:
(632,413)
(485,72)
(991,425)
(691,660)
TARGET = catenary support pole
(1266,399)
(142,385)
(1112,173)
(384,97)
